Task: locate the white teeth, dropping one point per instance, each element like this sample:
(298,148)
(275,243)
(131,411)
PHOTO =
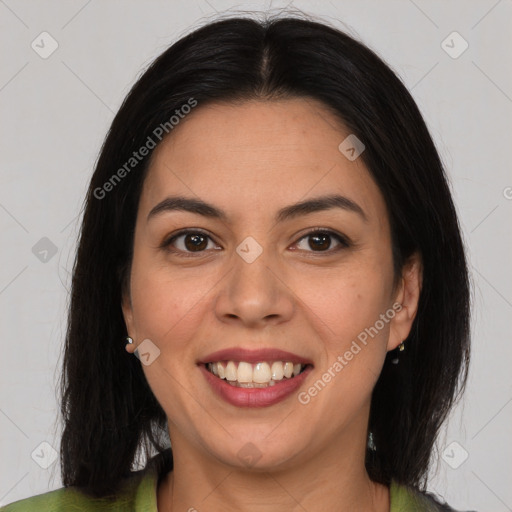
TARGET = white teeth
(263,374)
(231,372)
(244,372)
(249,384)
(277,370)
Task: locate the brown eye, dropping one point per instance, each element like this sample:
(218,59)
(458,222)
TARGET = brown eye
(195,242)
(188,242)
(322,241)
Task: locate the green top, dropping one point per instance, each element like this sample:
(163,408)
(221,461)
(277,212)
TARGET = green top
(139,495)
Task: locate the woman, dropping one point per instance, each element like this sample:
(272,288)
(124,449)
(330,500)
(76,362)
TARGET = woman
(270,228)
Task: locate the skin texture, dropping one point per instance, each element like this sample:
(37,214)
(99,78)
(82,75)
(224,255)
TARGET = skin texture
(251,159)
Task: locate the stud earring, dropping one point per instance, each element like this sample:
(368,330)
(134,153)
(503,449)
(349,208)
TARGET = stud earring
(128,340)
(401,348)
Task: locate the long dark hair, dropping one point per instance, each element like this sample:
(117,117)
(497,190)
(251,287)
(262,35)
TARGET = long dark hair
(109,411)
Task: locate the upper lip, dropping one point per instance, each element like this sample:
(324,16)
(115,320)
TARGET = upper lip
(254,356)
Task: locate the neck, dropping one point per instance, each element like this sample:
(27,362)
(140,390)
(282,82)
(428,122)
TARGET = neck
(333,480)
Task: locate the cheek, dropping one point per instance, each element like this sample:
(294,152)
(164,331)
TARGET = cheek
(168,310)
(347,302)
(166,302)
(348,306)
(354,339)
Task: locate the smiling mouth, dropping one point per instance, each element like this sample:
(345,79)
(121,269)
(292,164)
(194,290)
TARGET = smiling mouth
(260,375)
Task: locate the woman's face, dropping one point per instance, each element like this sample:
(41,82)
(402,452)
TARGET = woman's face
(251,284)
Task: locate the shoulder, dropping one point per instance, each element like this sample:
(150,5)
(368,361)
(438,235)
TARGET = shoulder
(405,499)
(138,489)
(58,500)
(138,493)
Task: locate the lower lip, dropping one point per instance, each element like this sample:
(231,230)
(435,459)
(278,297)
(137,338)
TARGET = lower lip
(254,397)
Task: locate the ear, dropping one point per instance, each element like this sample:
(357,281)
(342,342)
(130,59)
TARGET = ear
(126,306)
(407,296)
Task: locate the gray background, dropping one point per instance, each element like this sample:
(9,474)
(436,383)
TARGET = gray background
(55,113)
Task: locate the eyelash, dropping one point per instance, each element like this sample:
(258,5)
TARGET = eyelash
(343,241)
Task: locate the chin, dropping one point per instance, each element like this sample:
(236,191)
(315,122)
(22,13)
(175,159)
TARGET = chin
(257,452)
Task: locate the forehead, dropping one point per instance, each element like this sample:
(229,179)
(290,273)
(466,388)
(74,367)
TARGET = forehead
(259,153)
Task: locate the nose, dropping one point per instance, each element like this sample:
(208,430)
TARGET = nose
(254,294)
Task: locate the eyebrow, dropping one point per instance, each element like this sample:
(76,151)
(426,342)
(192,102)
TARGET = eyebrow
(317,204)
